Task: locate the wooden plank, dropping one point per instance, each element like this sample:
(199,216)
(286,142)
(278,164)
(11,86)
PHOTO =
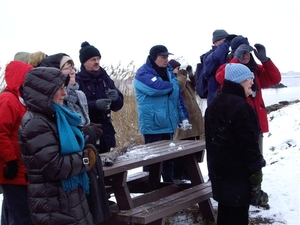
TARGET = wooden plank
(165,206)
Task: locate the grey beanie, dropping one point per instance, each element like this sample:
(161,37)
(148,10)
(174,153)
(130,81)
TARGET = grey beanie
(237,72)
(22,56)
(218,35)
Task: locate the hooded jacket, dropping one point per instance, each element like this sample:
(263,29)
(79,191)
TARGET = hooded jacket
(231,136)
(40,146)
(12,109)
(266,76)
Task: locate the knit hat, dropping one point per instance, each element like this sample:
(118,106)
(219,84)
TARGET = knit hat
(63,61)
(174,63)
(158,50)
(87,51)
(237,41)
(22,56)
(218,35)
(237,72)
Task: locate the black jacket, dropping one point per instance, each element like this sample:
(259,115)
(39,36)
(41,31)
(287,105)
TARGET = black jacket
(231,133)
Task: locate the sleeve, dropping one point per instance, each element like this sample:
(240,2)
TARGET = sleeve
(268,74)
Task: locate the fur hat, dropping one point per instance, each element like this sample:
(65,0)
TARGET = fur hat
(158,50)
(22,56)
(237,41)
(174,63)
(36,58)
(237,72)
(87,51)
(218,35)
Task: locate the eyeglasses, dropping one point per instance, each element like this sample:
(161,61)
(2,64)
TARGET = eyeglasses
(67,70)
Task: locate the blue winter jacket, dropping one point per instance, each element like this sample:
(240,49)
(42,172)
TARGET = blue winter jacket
(211,63)
(160,104)
(95,88)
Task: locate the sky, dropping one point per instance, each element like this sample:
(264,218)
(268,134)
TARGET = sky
(124,31)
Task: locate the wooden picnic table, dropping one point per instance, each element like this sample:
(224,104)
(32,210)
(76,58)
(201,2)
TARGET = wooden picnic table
(158,199)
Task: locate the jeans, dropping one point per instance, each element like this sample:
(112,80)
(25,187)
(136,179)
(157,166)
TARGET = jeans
(15,207)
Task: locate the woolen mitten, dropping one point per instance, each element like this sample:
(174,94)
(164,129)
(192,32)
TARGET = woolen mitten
(241,50)
(91,154)
(260,53)
(11,169)
(103,104)
(98,130)
(112,94)
(230,37)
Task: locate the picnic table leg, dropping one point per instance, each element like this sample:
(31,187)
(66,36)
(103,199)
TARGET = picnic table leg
(161,221)
(121,191)
(154,176)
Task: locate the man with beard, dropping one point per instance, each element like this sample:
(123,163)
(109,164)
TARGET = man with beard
(101,93)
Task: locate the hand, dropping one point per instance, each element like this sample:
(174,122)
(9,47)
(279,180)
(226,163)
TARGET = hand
(185,125)
(103,104)
(11,169)
(98,130)
(241,50)
(112,94)
(189,70)
(91,154)
(230,37)
(260,53)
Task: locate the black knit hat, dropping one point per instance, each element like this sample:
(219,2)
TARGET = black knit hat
(174,63)
(87,51)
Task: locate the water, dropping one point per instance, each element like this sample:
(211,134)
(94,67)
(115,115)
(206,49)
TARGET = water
(291,93)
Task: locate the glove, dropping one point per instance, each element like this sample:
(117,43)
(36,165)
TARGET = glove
(260,53)
(103,104)
(230,37)
(185,124)
(11,169)
(112,94)
(98,130)
(241,50)
(91,154)
(189,70)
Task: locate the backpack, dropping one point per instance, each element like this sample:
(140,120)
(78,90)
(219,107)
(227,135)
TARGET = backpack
(200,80)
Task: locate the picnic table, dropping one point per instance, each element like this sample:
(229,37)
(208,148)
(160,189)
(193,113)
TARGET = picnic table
(158,199)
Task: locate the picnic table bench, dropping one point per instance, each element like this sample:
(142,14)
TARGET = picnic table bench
(157,199)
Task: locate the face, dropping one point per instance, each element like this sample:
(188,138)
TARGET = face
(60,95)
(246,58)
(162,60)
(68,68)
(176,69)
(92,64)
(247,86)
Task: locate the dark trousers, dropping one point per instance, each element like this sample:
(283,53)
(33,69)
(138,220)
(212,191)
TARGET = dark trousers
(168,166)
(229,215)
(15,207)
(260,142)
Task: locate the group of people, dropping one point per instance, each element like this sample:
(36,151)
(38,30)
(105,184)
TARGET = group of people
(55,122)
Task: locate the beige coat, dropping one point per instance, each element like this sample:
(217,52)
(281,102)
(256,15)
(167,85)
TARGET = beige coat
(195,115)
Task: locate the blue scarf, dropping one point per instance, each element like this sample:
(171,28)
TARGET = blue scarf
(71,140)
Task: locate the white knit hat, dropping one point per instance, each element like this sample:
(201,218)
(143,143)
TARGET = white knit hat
(237,72)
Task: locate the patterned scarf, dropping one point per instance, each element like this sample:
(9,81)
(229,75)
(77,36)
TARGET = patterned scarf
(71,141)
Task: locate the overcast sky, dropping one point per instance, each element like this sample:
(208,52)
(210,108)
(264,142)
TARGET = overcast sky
(125,30)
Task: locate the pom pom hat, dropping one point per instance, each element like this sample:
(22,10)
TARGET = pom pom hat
(87,51)
(237,72)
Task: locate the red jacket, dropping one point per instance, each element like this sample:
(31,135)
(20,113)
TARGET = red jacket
(11,113)
(267,75)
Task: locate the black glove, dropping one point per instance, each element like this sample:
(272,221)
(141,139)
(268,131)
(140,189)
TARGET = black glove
(103,104)
(241,50)
(230,37)
(112,94)
(260,52)
(11,169)
(98,130)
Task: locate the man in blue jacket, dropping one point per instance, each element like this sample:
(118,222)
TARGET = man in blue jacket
(160,104)
(214,59)
(101,93)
